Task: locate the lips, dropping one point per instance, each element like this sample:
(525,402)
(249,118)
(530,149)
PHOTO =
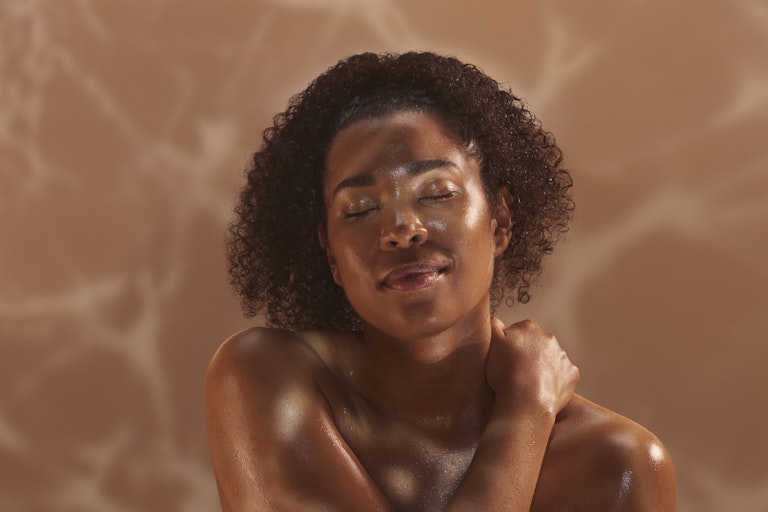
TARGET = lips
(413,276)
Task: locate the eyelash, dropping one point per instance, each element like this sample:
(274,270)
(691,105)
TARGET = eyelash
(439,197)
(428,199)
(352,215)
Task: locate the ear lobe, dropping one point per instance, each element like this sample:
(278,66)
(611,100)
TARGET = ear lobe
(323,240)
(502,220)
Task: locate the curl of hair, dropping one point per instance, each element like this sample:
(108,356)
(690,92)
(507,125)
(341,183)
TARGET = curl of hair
(276,263)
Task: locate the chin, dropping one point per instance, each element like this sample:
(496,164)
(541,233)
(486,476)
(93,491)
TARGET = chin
(415,323)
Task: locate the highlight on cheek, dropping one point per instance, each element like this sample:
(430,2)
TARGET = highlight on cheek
(476,211)
(438,225)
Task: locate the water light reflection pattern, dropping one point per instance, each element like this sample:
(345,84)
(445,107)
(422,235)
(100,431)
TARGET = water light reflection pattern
(123,129)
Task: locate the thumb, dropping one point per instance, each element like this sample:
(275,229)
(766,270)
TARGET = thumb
(497,328)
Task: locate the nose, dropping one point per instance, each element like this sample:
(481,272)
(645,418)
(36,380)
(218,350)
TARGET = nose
(403,230)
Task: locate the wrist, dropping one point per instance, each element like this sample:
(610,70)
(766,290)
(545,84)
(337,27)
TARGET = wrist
(517,401)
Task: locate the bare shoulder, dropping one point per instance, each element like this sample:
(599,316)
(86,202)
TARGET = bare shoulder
(604,461)
(250,352)
(274,356)
(271,432)
(256,342)
(255,374)
(584,424)
(262,370)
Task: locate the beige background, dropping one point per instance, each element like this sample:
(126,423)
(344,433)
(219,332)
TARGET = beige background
(124,128)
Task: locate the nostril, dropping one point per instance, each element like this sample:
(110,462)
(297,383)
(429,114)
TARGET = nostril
(419,237)
(403,236)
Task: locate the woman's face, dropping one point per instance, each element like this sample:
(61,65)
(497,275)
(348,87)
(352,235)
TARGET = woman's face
(410,235)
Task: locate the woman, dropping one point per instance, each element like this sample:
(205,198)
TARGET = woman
(396,202)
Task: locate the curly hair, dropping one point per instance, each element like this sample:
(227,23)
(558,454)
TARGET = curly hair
(276,263)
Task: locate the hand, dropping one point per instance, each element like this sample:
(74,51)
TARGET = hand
(526,364)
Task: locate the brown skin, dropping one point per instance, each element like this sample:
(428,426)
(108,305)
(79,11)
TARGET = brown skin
(435,405)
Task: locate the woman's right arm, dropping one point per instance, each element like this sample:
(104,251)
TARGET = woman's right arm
(533,380)
(273,442)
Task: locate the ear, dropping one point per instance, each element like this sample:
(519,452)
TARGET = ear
(501,220)
(322,238)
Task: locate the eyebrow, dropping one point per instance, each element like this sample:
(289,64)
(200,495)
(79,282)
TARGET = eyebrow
(366,178)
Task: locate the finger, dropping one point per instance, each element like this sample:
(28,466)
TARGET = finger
(524,325)
(497,328)
(576,375)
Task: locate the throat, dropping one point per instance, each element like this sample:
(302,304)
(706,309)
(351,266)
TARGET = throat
(415,422)
(450,395)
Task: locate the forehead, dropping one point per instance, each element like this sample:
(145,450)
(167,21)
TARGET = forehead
(389,143)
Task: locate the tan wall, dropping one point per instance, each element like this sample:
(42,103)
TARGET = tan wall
(124,127)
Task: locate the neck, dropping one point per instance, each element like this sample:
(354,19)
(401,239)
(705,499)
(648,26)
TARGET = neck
(436,382)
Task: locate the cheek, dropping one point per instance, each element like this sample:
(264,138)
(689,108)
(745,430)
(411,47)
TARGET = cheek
(476,220)
(470,217)
(437,226)
(475,214)
(349,255)
(477,239)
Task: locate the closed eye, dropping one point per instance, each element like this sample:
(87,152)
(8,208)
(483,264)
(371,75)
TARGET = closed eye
(361,213)
(438,197)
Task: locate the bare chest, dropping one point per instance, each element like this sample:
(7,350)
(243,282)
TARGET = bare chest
(414,468)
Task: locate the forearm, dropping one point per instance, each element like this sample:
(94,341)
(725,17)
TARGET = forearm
(506,465)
